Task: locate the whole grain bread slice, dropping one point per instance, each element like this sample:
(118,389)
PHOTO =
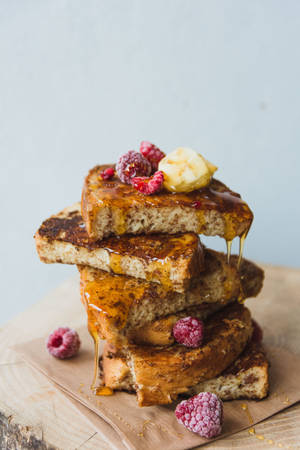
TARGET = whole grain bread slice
(118,305)
(172,261)
(112,207)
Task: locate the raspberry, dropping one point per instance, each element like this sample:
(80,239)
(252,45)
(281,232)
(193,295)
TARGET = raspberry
(257,334)
(152,153)
(149,185)
(196,204)
(189,332)
(107,173)
(63,343)
(202,414)
(131,165)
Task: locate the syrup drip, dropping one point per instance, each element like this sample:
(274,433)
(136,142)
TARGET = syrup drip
(241,248)
(244,406)
(242,243)
(228,245)
(95,387)
(261,437)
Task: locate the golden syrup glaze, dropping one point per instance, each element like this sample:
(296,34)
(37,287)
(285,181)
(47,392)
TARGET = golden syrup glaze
(96,387)
(244,406)
(110,298)
(241,248)
(274,444)
(228,245)
(120,197)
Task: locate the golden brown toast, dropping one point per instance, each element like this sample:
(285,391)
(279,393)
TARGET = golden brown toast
(172,261)
(117,305)
(112,207)
(247,377)
(161,374)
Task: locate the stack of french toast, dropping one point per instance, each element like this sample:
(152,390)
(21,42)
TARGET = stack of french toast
(144,272)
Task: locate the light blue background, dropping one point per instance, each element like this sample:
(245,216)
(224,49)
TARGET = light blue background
(84,81)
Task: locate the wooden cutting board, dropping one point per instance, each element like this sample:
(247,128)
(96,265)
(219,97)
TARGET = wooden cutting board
(36,415)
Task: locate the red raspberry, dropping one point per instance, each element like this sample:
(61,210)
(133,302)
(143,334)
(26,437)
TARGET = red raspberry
(196,204)
(257,334)
(149,185)
(107,173)
(202,414)
(131,165)
(189,332)
(152,153)
(63,343)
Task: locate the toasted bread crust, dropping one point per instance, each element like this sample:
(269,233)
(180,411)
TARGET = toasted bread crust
(112,207)
(116,304)
(172,261)
(247,377)
(160,375)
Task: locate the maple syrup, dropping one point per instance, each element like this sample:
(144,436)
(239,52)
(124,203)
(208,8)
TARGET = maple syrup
(228,245)
(244,406)
(96,387)
(241,248)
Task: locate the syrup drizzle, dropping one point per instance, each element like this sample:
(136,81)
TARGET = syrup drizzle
(244,406)
(260,437)
(241,248)
(228,245)
(96,388)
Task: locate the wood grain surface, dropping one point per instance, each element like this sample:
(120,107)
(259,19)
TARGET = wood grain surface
(36,415)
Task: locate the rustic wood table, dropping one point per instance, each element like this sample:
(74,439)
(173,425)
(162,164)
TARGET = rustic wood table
(36,415)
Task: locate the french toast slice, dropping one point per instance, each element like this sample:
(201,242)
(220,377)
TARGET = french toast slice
(160,374)
(247,377)
(172,261)
(116,305)
(112,207)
